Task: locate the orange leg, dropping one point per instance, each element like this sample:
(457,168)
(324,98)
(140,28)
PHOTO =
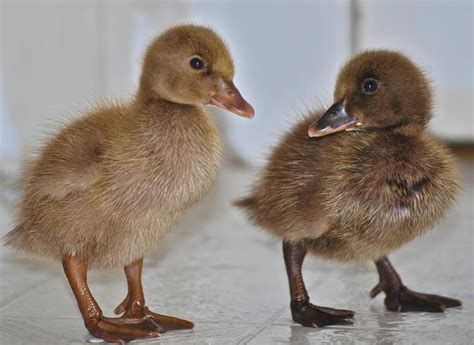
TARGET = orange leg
(133,306)
(109,329)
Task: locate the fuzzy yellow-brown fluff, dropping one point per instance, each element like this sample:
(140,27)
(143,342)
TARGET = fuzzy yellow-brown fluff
(110,184)
(359,195)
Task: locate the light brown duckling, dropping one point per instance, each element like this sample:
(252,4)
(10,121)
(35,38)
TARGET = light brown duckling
(106,189)
(378,181)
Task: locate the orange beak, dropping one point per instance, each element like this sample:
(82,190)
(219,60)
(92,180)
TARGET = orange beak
(229,98)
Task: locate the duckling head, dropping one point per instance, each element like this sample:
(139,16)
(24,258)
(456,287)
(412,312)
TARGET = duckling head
(190,64)
(377,90)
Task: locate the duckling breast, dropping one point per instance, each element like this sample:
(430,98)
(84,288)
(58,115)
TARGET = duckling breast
(385,191)
(151,173)
(161,166)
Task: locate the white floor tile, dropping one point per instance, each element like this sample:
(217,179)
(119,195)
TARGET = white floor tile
(228,277)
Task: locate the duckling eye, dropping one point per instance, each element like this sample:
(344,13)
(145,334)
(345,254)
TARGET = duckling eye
(369,86)
(196,63)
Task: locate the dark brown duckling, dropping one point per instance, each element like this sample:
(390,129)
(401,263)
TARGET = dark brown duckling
(376,182)
(107,188)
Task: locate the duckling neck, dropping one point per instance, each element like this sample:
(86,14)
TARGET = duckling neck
(174,120)
(399,126)
(152,103)
(411,129)
(145,98)
(157,106)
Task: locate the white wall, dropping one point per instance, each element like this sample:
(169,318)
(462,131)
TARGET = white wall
(439,36)
(47,69)
(287,54)
(57,56)
(60,57)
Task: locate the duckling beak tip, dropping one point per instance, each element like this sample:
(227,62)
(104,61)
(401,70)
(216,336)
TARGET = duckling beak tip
(314,132)
(335,119)
(230,99)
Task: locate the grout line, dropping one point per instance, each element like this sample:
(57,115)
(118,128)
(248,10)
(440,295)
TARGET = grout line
(264,325)
(21,317)
(196,321)
(356,328)
(21,294)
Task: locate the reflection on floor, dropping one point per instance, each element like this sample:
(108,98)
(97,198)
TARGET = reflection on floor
(228,277)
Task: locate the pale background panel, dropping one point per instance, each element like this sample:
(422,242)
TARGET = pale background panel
(60,57)
(439,36)
(50,63)
(287,54)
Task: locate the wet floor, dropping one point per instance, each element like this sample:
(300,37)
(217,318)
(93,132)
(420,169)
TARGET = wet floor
(228,277)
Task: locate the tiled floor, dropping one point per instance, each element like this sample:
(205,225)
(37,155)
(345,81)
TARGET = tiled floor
(228,277)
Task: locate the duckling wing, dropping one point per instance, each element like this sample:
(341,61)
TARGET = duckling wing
(70,161)
(407,187)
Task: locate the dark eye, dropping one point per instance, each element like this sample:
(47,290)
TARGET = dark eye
(369,86)
(196,63)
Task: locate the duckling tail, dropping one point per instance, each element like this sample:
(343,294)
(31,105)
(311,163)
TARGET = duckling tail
(246,203)
(10,239)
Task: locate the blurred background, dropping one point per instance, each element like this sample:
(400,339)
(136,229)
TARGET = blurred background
(59,57)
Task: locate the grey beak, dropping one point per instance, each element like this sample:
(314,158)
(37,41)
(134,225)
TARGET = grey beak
(335,119)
